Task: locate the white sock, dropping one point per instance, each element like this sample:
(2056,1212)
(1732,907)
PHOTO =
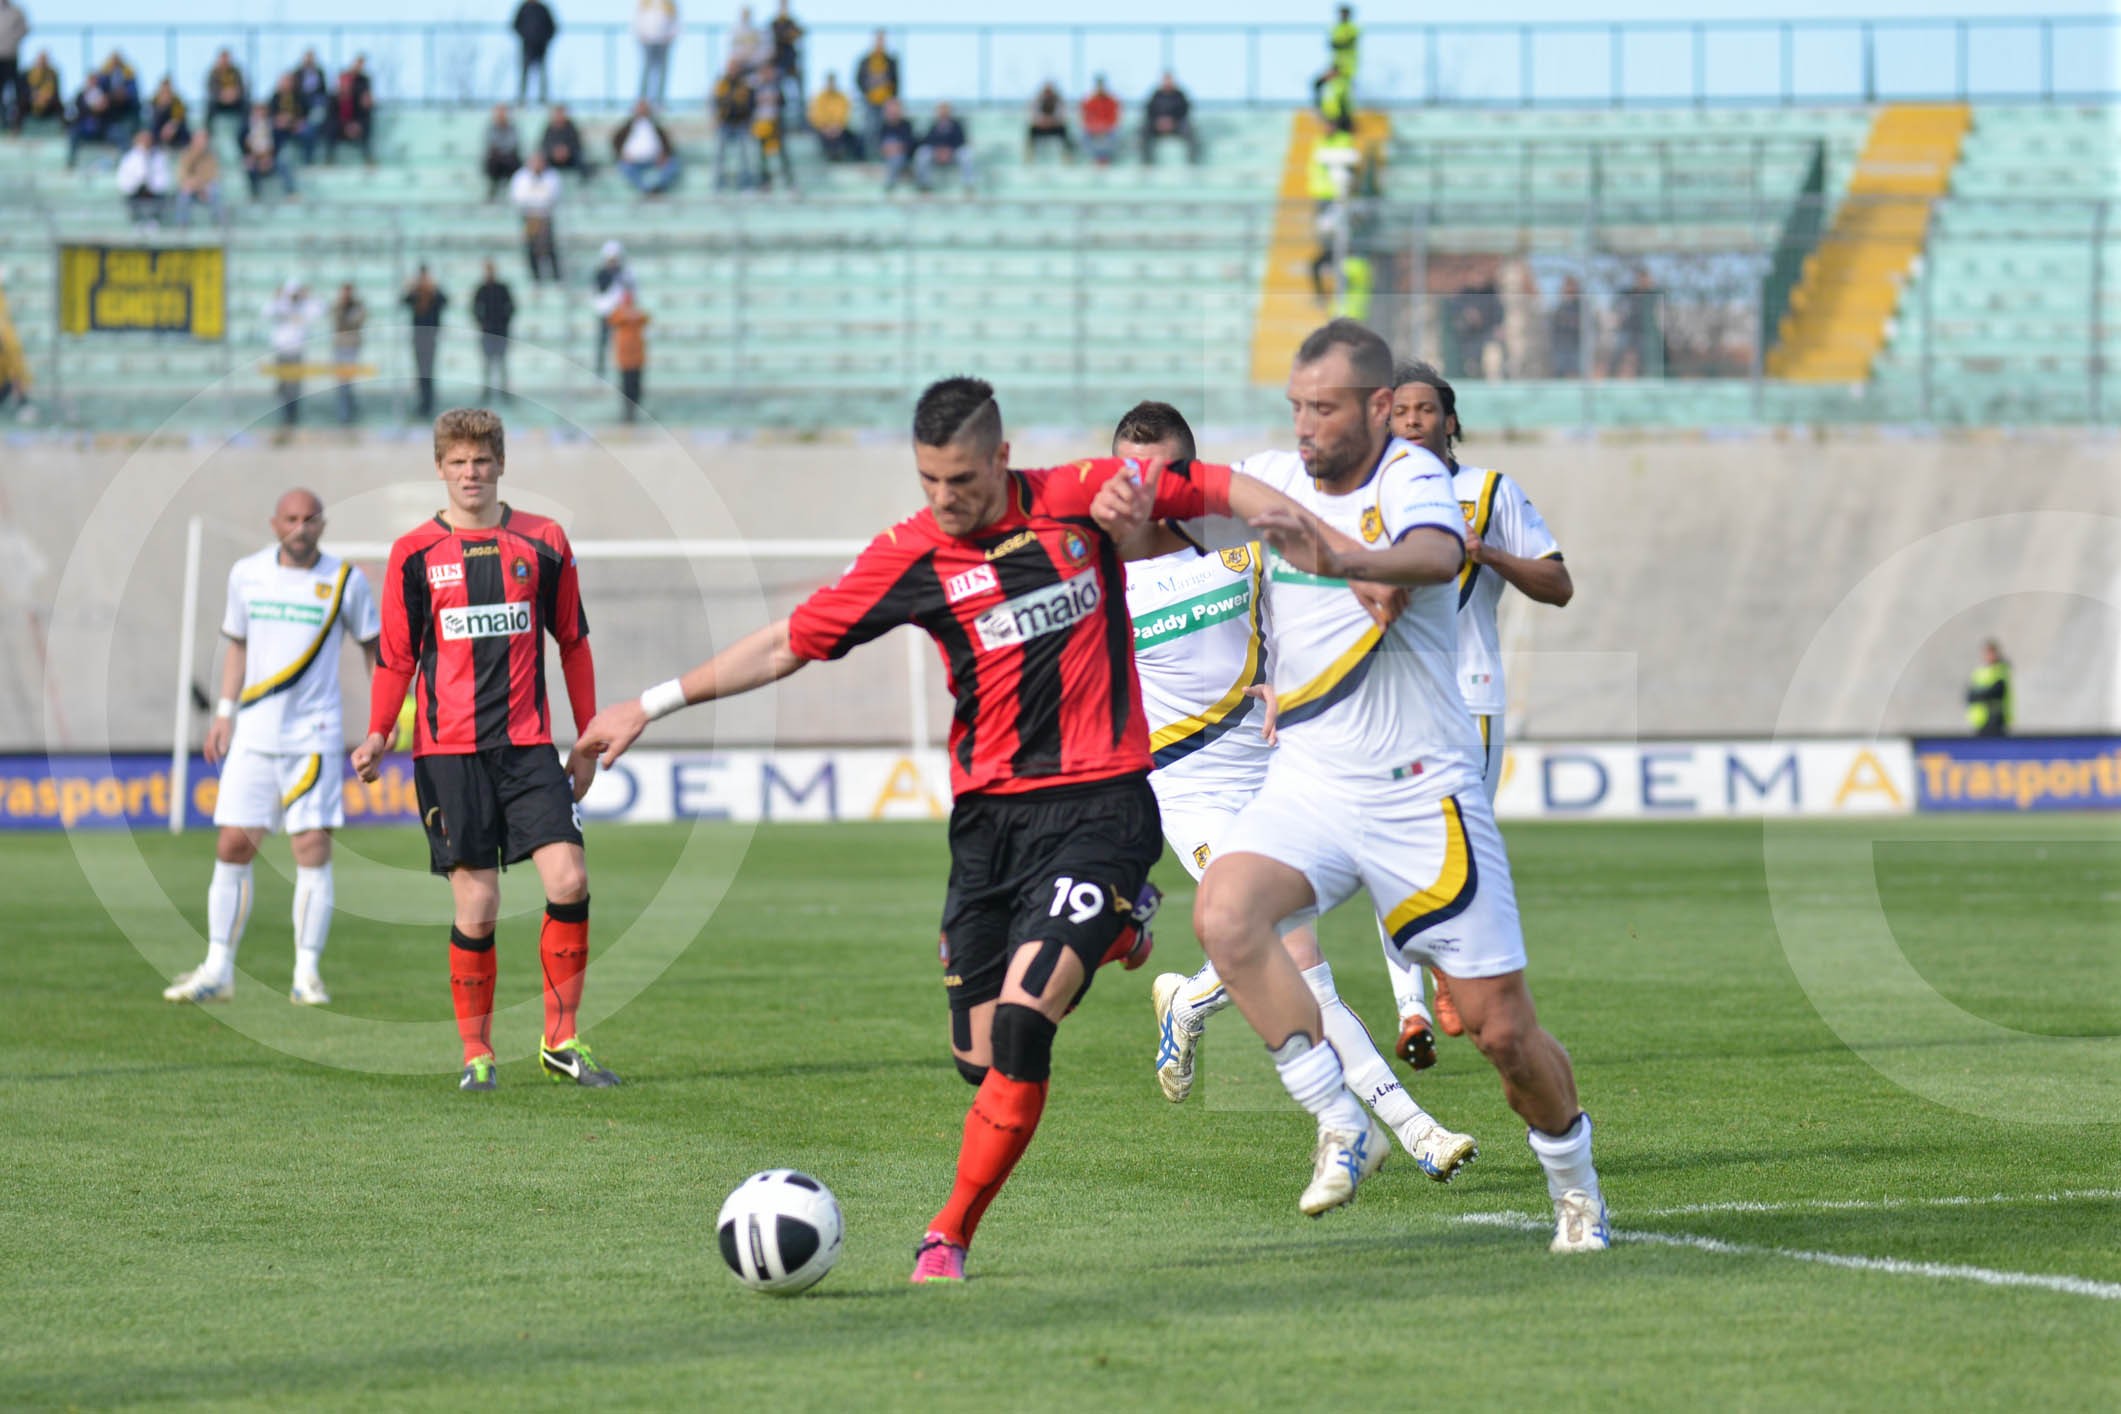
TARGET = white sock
(1409,987)
(227,910)
(313,897)
(1566,1157)
(1366,1072)
(1311,1074)
(1201,997)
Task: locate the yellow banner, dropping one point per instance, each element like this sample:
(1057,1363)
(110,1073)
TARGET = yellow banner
(112,288)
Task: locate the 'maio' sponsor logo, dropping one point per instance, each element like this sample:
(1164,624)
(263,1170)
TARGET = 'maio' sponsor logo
(486,621)
(1053,609)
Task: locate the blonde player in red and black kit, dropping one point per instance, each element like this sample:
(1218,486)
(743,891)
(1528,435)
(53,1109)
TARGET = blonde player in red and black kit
(1054,828)
(467,602)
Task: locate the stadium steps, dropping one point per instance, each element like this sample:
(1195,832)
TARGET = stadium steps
(1288,306)
(1839,312)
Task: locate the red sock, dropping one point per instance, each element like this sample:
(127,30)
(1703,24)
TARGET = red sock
(564,944)
(998,1128)
(471,988)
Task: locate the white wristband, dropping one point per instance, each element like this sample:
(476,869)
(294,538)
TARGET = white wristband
(663,699)
(226,707)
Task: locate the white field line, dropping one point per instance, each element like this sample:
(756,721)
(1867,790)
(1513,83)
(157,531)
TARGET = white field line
(1891,1266)
(1880,1205)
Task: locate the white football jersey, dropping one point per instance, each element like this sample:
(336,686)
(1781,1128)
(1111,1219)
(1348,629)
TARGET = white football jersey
(290,621)
(1497,510)
(1197,647)
(1359,698)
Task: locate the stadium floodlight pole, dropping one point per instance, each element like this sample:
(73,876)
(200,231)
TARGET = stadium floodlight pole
(187,660)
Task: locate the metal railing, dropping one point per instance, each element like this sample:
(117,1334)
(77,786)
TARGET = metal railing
(1622,64)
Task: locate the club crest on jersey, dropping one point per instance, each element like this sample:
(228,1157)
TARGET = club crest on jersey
(1469,509)
(323,590)
(1373,524)
(1055,608)
(486,621)
(977,580)
(1200,856)
(519,567)
(1077,548)
(1239,560)
(1014,543)
(439,575)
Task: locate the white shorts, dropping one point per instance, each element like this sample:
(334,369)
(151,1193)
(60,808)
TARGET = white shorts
(1491,745)
(1196,815)
(1435,868)
(268,791)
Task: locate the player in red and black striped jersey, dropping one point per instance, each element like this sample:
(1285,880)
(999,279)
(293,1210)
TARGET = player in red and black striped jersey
(1054,828)
(467,601)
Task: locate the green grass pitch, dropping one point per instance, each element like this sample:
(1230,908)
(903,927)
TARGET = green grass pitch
(196,1216)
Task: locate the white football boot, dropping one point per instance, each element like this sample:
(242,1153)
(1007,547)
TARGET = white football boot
(197,986)
(1175,1041)
(309,991)
(1343,1160)
(1437,1152)
(1580,1223)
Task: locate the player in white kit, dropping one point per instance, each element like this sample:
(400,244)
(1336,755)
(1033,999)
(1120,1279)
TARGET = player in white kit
(1199,654)
(1376,782)
(1507,544)
(279,740)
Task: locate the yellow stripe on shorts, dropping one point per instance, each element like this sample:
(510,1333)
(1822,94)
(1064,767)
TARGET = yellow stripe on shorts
(308,782)
(1451,894)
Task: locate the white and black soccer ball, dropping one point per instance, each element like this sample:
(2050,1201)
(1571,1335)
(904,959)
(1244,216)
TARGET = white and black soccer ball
(780,1231)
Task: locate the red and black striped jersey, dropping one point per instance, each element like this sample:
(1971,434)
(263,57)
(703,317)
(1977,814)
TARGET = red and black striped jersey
(1030,614)
(465,614)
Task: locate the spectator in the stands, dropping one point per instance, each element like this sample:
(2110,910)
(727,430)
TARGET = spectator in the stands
(647,158)
(735,103)
(198,179)
(535,28)
(92,121)
(1169,114)
(786,36)
(122,87)
(535,193)
(424,303)
(226,92)
(629,348)
(769,130)
(166,116)
(747,47)
(495,309)
(1101,124)
(41,92)
(313,87)
(1640,353)
(504,150)
(655,28)
(261,153)
(612,281)
(829,112)
(348,318)
(353,112)
(895,144)
(947,146)
(1049,123)
(876,80)
(290,119)
(14,28)
(1565,331)
(561,142)
(292,314)
(145,179)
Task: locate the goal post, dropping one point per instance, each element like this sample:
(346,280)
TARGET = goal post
(372,555)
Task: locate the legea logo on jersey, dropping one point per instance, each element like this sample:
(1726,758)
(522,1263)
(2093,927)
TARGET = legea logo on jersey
(1053,609)
(486,621)
(977,580)
(439,575)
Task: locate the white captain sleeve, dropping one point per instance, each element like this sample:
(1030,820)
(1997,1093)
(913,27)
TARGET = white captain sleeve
(1517,528)
(235,618)
(1417,493)
(362,616)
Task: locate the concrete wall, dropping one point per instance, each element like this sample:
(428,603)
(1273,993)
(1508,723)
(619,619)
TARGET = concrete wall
(1706,570)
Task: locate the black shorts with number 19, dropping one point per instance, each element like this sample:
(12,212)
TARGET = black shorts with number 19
(482,809)
(1062,865)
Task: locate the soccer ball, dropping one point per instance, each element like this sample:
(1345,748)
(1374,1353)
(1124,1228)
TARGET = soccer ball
(780,1231)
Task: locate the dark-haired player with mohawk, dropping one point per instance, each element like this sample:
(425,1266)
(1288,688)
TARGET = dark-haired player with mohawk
(1054,827)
